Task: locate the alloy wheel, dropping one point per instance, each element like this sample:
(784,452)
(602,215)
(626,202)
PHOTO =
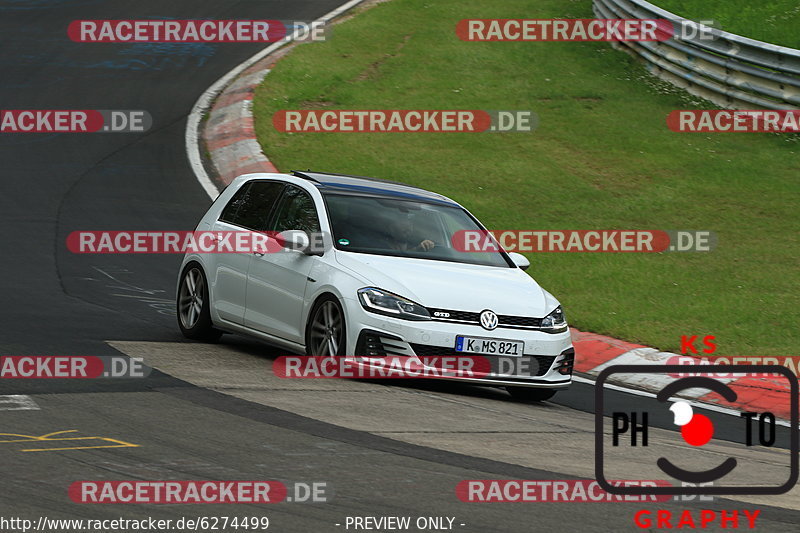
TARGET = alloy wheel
(190,302)
(326,330)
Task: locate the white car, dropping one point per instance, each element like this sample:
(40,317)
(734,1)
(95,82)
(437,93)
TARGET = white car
(384,280)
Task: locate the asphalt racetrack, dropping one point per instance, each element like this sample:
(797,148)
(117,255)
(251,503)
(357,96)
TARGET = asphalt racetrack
(215,411)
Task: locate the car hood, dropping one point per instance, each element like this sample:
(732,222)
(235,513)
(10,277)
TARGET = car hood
(454,286)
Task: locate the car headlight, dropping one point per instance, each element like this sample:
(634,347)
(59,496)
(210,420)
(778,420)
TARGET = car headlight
(386,303)
(555,322)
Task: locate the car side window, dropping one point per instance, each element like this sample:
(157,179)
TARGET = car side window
(252,205)
(296,211)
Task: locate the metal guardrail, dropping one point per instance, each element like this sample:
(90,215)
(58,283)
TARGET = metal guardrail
(730,70)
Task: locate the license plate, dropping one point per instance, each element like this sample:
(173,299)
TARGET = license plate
(489,346)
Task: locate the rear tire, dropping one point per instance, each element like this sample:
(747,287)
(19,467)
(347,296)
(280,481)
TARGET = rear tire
(194,306)
(530,395)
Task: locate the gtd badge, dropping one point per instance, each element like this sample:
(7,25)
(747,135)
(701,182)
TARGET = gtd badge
(488,320)
(626,438)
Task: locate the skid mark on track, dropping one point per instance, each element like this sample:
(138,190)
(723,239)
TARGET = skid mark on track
(18,402)
(164,306)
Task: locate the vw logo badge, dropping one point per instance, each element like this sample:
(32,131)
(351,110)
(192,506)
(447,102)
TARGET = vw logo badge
(488,320)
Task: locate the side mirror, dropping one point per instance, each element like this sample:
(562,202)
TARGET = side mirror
(520,260)
(299,241)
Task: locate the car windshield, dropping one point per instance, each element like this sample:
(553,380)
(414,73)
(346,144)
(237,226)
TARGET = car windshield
(403,228)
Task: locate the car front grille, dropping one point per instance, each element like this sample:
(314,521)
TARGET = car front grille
(543,362)
(509,321)
(472,318)
(455,316)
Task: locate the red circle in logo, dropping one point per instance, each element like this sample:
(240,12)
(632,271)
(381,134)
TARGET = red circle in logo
(698,430)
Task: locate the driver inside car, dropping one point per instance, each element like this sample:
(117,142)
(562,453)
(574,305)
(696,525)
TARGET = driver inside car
(403,238)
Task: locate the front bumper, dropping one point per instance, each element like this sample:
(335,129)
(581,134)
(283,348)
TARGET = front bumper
(546,361)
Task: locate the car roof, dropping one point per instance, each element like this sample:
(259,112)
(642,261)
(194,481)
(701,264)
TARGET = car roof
(329,183)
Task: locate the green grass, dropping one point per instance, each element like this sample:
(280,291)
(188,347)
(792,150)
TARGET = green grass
(773,21)
(602,158)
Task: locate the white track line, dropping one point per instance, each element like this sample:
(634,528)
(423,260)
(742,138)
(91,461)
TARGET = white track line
(204,102)
(636,392)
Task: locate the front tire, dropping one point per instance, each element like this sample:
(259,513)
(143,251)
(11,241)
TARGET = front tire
(194,306)
(530,395)
(326,334)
